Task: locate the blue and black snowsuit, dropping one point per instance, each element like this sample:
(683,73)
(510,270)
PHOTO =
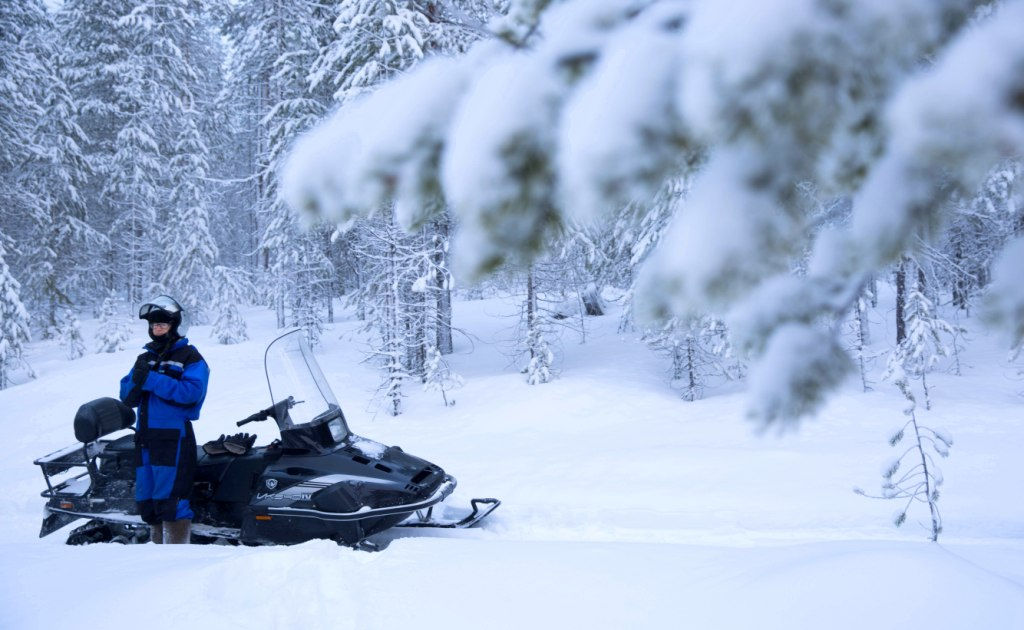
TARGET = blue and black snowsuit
(165,446)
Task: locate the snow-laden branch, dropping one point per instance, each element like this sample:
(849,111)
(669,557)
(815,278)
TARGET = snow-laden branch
(609,99)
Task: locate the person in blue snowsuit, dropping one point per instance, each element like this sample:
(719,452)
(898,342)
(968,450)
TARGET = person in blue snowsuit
(168,385)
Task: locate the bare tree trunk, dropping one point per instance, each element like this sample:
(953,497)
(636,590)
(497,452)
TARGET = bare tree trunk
(863,325)
(862,340)
(691,369)
(329,284)
(279,307)
(531,305)
(922,284)
(901,300)
(444,292)
(394,324)
(959,284)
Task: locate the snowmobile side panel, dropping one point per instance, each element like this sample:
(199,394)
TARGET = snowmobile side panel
(290,525)
(364,513)
(260,528)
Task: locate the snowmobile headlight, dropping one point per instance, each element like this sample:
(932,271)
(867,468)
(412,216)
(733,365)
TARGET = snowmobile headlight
(337,431)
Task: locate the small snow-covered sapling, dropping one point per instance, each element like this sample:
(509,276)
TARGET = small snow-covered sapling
(913,475)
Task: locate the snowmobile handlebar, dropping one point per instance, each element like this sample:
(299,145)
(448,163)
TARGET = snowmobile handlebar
(276,411)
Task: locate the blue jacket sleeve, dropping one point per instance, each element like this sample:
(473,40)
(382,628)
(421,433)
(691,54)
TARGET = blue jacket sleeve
(126,385)
(188,390)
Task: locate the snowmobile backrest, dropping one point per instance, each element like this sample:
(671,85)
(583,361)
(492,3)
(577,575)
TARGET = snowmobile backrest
(100,417)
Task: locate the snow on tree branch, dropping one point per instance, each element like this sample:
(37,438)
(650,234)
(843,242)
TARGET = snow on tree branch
(894,104)
(949,127)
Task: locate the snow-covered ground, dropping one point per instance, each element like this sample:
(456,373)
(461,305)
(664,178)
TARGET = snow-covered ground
(623,506)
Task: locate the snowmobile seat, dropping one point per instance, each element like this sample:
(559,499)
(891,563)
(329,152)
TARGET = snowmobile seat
(117,457)
(123,444)
(101,417)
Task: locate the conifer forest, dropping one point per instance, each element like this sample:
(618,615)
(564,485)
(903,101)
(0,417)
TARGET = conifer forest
(656,272)
(292,154)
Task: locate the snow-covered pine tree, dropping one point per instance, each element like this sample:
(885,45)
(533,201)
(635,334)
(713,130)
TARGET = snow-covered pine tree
(577,281)
(22,24)
(60,267)
(401,279)
(299,273)
(229,126)
(861,330)
(134,176)
(233,289)
(923,345)
(243,104)
(632,236)
(699,350)
(70,335)
(189,251)
(441,284)
(980,227)
(20,72)
(275,46)
(162,110)
(20,68)
(538,353)
(921,481)
(310,276)
(96,48)
(389,312)
(114,331)
(439,376)
(373,40)
(98,51)
(14,322)
(698,347)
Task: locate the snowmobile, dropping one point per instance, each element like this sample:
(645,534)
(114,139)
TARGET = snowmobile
(318,480)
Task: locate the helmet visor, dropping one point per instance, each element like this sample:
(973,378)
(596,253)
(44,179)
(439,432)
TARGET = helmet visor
(162,307)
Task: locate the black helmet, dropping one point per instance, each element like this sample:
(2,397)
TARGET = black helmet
(163,309)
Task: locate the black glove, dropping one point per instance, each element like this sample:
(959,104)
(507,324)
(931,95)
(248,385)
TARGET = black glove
(141,370)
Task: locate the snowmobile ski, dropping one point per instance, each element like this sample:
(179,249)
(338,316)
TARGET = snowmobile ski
(425,518)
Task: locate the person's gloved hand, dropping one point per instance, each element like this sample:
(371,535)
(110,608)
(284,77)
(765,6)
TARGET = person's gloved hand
(141,369)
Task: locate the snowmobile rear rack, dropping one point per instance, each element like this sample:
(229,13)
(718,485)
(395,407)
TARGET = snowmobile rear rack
(74,456)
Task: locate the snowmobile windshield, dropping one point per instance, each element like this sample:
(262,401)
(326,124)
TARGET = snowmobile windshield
(292,371)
